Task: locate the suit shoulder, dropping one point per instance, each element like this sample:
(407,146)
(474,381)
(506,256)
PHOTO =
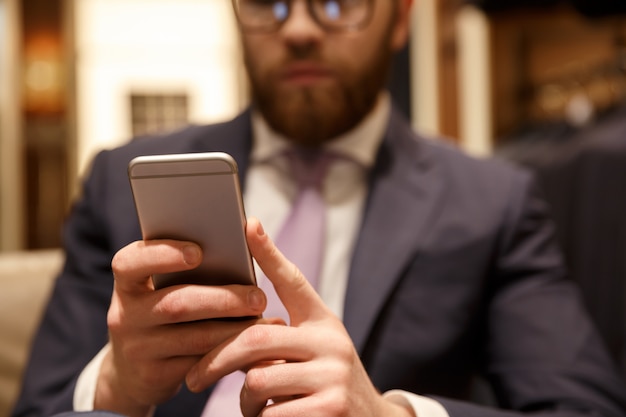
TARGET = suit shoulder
(446,158)
(187,139)
(192,138)
(469,168)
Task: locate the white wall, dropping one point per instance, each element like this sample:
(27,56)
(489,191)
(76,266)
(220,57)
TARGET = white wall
(152,46)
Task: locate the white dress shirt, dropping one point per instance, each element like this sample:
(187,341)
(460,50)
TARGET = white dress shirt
(269,191)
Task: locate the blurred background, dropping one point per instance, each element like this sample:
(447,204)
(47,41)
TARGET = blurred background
(79,76)
(541,83)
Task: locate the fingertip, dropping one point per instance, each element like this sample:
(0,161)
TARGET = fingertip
(192,379)
(192,254)
(260,231)
(257,299)
(255,227)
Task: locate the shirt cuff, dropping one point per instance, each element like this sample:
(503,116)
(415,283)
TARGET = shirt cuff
(421,406)
(85,391)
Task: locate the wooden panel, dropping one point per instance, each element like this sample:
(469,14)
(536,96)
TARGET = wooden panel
(448,67)
(541,59)
(44,121)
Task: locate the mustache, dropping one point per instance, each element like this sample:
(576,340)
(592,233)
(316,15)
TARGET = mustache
(303,51)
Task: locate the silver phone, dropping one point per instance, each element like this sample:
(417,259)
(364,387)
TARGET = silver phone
(194,197)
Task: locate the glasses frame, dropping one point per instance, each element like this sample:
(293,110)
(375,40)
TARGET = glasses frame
(309,3)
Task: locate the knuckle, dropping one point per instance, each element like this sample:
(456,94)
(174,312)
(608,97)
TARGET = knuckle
(255,336)
(118,262)
(114,322)
(228,303)
(345,351)
(256,379)
(198,342)
(338,402)
(299,281)
(123,258)
(172,307)
(342,348)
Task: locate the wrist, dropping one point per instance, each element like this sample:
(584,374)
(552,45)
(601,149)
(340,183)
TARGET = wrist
(111,396)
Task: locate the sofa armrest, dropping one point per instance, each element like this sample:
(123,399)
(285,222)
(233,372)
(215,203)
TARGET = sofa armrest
(26,279)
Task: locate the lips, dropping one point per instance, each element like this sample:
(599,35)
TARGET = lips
(306,73)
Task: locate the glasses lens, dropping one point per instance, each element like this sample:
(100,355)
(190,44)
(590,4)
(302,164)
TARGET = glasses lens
(331,14)
(281,11)
(261,14)
(342,14)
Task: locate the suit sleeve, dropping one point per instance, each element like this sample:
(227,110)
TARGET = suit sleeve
(73,328)
(543,356)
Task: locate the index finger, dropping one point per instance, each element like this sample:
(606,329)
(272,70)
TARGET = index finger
(134,264)
(298,296)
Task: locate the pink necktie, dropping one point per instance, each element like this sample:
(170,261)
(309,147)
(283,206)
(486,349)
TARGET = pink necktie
(301,239)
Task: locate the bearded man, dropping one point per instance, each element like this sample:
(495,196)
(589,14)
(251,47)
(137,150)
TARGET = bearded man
(436,267)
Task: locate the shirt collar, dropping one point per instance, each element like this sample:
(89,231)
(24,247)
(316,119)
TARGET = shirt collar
(359,144)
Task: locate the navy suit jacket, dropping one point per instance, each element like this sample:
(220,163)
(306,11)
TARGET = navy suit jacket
(455,274)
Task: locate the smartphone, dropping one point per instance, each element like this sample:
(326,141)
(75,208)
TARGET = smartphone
(194,197)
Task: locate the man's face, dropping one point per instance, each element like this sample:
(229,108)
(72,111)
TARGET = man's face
(311,84)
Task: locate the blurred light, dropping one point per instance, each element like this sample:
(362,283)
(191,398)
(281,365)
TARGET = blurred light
(42,76)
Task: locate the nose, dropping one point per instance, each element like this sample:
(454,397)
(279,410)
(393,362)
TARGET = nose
(300,28)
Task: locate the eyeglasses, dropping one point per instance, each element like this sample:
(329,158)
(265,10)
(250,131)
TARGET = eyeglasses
(332,15)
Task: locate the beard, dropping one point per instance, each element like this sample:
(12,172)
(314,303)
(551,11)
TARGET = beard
(313,115)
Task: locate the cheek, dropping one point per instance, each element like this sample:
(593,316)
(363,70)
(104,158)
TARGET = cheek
(359,58)
(351,51)
(257,55)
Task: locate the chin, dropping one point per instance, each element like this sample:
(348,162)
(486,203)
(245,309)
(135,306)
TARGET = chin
(311,116)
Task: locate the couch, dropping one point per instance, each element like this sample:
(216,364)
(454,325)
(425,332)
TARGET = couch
(25,282)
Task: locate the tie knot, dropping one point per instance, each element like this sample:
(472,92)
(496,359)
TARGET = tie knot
(309,167)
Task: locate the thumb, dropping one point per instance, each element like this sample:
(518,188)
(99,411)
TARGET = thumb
(298,296)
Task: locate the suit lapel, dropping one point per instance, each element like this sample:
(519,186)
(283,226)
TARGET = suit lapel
(404,193)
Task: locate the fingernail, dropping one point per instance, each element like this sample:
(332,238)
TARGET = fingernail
(191,254)
(256,299)
(260,230)
(192,379)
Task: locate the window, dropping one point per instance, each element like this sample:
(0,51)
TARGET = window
(158,113)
